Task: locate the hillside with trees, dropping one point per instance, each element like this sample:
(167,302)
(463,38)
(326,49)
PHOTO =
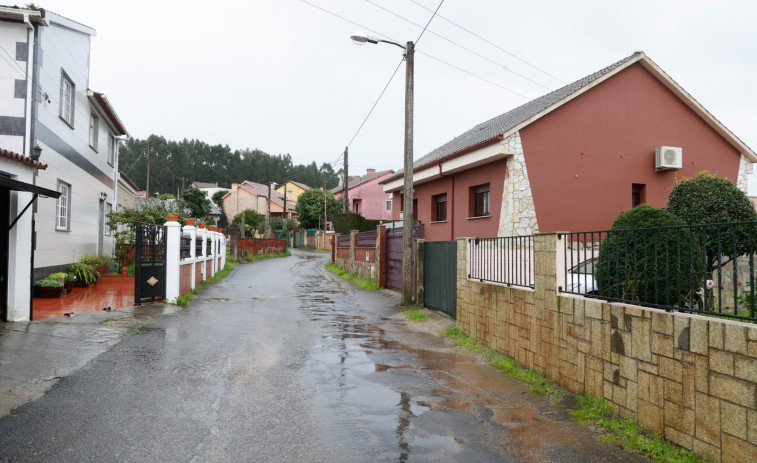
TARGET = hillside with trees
(174,165)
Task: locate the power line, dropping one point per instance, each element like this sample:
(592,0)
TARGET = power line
(492,44)
(429,21)
(458,45)
(377,101)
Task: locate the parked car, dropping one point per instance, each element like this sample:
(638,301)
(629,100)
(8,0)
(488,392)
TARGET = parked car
(580,278)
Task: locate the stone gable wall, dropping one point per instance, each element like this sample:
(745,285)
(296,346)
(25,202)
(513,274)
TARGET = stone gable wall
(690,378)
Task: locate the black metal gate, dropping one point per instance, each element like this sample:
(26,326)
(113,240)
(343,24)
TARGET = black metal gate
(440,276)
(149,263)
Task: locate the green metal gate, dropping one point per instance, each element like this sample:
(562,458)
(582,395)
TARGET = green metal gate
(299,238)
(440,276)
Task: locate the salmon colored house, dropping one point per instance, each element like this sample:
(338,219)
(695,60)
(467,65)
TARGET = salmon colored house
(573,159)
(367,196)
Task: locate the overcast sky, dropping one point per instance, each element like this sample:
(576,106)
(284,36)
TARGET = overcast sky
(284,77)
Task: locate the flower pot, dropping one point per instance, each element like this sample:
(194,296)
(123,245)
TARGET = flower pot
(69,285)
(173,217)
(124,272)
(46,292)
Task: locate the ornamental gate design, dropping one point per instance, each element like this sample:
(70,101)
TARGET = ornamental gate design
(149,263)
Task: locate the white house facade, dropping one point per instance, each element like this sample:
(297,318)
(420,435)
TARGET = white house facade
(46,103)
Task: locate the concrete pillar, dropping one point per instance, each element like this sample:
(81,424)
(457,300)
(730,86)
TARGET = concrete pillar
(192,232)
(173,245)
(213,235)
(201,237)
(223,251)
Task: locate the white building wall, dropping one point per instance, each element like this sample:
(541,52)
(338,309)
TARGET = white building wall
(66,48)
(12,70)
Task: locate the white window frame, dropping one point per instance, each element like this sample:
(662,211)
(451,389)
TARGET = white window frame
(388,205)
(94,130)
(63,212)
(67,100)
(112,150)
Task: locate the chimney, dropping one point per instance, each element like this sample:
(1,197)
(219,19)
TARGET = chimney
(370,171)
(234,186)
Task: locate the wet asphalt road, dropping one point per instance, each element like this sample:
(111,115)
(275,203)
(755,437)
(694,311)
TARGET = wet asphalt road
(285,362)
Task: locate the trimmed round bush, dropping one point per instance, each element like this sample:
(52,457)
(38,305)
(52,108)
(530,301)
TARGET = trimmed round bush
(651,258)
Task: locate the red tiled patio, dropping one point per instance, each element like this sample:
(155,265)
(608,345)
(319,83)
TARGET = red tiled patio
(111,291)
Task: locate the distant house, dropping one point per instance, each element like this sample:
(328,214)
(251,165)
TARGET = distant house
(254,196)
(47,104)
(293,190)
(208,188)
(367,196)
(127,191)
(573,159)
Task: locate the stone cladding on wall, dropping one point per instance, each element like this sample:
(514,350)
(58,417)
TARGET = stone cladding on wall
(690,378)
(517,214)
(745,170)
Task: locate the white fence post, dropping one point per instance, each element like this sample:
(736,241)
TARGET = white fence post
(173,244)
(201,236)
(190,230)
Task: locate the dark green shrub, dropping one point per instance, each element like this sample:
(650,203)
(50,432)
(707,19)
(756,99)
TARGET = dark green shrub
(648,257)
(347,221)
(709,199)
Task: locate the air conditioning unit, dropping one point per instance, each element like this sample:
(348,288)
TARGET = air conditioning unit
(668,158)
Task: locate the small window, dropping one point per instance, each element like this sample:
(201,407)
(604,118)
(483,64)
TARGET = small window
(638,194)
(356,207)
(63,217)
(389,205)
(94,127)
(112,150)
(67,91)
(439,204)
(480,200)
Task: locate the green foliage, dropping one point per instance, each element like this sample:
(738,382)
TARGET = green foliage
(345,275)
(197,203)
(57,276)
(596,412)
(166,196)
(151,212)
(345,222)
(94,261)
(249,257)
(84,272)
(277,223)
(416,315)
(647,263)
(49,283)
(174,163)
(218,198)
(310,207)
(708,199)
(252,221)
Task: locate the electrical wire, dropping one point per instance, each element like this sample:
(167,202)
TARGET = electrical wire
(492,44)
(429,22)
(377,101)
(500,66)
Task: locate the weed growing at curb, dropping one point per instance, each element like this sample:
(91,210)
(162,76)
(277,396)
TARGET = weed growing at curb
(538,383)
(595,412)
(345,275)
(590,411)
(414,312)
(257,257)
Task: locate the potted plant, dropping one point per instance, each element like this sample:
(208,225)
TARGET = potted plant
(95,261)
(122,250)
(60,276)
(69,281)
(85,274)
(48,287)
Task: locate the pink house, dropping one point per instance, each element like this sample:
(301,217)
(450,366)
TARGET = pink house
(367,196)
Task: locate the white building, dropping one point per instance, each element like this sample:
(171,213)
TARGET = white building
(45,101)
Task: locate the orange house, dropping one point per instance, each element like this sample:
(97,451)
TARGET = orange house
(573,159)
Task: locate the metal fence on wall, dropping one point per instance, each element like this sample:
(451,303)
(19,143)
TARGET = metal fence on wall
(708,269)
(507,260)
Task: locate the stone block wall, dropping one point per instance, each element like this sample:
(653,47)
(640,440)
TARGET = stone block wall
(355,261)
(690,378)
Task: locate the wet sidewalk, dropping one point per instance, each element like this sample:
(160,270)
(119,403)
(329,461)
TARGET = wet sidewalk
(110,291)
(35,355)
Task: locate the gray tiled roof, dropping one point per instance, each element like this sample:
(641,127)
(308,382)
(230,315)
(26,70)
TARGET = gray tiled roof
(360,180)
(497,126)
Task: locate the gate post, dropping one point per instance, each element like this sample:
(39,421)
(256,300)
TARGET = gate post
(212,239)
(173,246)
(201,258)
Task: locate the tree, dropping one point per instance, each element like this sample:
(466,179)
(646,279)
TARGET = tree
(648,257)
(709,199)
(218,198)
(252,220)
(195,200)
(310,207)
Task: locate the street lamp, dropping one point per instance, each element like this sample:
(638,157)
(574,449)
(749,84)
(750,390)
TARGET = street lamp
(361,38)
(268,216)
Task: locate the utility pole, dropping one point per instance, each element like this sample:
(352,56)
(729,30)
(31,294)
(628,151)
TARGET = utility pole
(268,216)
(407,219)
(284,233)
(324,205)
(148,167)
(346,181)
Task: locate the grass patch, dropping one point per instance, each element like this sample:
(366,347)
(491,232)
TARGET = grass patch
(415,315)
(538,383)
(594,411)
(590,411)
(345,275)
